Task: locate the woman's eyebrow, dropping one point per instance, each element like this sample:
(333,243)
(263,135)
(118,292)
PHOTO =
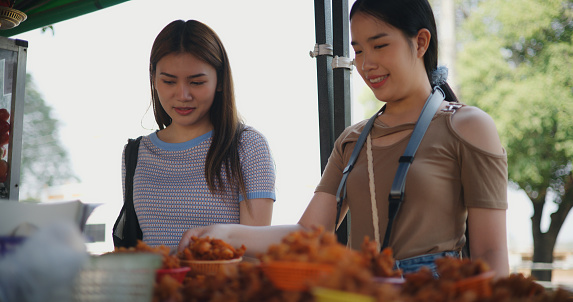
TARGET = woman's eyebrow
(378,36)
(189,77)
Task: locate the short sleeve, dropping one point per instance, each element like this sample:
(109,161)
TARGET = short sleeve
(257,164)
(332,173)
(484,178)
(339,157)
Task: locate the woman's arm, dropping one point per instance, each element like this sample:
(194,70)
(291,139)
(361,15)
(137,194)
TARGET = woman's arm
(256,212)
(321,211)
(488,238)
(487,226)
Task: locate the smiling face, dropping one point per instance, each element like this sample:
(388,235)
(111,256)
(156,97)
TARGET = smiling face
(387,61)
(186,87)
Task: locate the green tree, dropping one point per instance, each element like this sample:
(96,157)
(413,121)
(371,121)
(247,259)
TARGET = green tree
(516,63)
(44,160)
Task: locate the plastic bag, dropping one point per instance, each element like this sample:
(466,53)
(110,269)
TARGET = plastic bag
(45,266)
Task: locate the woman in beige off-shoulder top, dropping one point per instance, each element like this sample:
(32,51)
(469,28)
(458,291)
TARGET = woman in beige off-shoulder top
(459,171)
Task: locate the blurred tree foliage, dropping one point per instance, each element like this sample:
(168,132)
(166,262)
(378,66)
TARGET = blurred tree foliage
(516,63)
(45,162)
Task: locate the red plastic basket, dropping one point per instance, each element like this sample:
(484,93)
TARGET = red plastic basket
(294,276)
(176,273)
(480,284)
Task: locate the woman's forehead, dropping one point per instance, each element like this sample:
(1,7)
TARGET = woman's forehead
(365,25)
(183,63)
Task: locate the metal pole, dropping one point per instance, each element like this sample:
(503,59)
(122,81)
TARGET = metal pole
(342,76)
(323,28)
(341,85)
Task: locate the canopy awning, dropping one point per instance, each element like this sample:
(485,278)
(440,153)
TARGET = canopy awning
(41,13)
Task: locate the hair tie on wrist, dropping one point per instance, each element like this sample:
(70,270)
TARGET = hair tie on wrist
(439,76)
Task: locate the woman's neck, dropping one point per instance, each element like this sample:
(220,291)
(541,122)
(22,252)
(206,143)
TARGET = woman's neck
(407,109)
(175,134)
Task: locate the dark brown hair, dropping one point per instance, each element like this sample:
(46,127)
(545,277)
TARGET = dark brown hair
(409,16)
(201,41)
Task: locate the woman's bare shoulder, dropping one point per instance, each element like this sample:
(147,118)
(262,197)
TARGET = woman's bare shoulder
(477,128)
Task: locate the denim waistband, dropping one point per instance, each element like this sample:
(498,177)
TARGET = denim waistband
(413,264)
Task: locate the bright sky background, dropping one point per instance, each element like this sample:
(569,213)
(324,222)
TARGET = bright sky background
(94,73)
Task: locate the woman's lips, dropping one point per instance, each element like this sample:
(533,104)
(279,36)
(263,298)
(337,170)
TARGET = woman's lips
(377,82)
(184,110)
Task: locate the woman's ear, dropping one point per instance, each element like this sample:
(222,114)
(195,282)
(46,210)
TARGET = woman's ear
(422,41)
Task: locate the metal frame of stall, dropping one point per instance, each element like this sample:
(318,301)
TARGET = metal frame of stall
(333,67)
(13,56)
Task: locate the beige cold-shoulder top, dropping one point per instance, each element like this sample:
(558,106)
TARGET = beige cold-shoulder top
(447,176)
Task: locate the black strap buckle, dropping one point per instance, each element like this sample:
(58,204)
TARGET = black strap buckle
(406,159)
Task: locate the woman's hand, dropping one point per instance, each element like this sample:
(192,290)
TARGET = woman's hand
(256,239)
(219,231)
(320,212)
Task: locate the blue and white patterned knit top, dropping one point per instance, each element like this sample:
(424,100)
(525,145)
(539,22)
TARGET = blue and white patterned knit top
(170,192)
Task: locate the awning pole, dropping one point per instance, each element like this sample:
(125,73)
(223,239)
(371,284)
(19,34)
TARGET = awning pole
(333,80)
(342,89)
(323,28)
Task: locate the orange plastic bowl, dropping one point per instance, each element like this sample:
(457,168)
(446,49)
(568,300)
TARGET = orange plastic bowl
(295,276)
(176,273)
(480,284)
(211,267)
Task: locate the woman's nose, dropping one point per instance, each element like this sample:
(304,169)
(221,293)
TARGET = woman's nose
(184,92)
(367,62)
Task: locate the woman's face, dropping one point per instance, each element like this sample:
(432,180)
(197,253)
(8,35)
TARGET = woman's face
(383,56)
(186,87)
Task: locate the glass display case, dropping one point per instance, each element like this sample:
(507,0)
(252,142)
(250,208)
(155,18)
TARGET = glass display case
(12,84)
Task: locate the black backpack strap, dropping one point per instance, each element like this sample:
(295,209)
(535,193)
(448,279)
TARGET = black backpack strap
(131,164)
(126,230)
(396,196)
(341,192)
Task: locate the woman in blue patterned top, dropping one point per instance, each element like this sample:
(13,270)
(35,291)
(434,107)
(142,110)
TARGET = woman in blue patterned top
(204,165)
